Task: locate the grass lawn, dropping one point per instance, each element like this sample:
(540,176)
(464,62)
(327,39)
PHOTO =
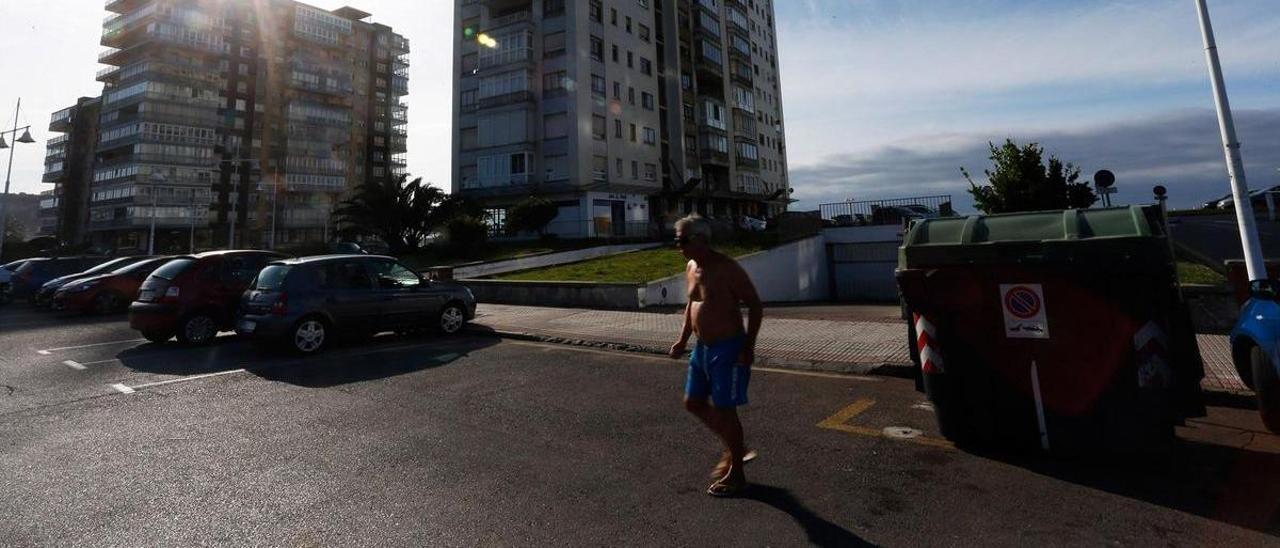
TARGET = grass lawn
(634,267)
(1193,273)
(434,256)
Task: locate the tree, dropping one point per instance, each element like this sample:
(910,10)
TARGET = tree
(1021,182)
(402,214)
(14,231)
(533,214)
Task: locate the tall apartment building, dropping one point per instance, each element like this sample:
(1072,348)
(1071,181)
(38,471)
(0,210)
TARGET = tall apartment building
(245,119)
(68,164)
(623,112)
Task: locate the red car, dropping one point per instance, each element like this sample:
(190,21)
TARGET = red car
(108,292)
(195,296)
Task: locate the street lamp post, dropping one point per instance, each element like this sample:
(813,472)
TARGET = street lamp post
(25,138)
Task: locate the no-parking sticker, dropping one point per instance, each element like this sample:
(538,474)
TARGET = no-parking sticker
(1024,311)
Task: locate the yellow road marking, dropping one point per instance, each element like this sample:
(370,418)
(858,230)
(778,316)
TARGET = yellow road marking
(840,422)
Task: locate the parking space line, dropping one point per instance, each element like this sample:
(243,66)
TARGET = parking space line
(840,423)
(74,365)
(131,389)
(47,351)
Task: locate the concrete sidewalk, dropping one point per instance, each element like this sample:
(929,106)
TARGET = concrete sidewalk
(789,339)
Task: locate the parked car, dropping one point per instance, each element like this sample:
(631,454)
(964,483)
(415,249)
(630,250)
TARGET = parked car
(193,297)
(6,278)
(28,278)
(44,297)
(304,303)
(1255,343)
(106,292)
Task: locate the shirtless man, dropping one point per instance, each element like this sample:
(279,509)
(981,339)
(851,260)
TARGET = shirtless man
(720,366)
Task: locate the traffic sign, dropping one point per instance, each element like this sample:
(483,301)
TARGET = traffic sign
(1104,178)
(1024,311)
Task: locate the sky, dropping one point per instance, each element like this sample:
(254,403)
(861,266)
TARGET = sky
(882,98)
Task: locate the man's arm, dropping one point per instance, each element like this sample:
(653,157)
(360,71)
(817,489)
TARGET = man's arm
(746,293)
(686,330)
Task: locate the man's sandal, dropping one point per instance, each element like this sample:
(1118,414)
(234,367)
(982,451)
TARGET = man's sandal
(722,467)
(727,489)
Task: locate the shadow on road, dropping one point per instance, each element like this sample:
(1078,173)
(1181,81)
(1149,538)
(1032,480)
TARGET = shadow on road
(382,357)
(820,531)
(397,356)
(17,321)
(1227,484)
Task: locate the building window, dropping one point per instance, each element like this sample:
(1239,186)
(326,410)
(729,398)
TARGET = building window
(617,90)
(597,85)
(618,167)
(555,126)
(597,127)
(633,133)
(631,95)
(646,67)
(597,48)
(617,129)
(613,17)
(644,33)
(646,100)
(551,8)
(553,82)
(631,59)
(628,24)
(595,11)
(650,136)
(615,53)
(635,169)
(504,84)
(650,172)
(553,44)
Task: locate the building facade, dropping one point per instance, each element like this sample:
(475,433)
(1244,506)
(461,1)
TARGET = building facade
(241,120)
(625,113)
(68,164)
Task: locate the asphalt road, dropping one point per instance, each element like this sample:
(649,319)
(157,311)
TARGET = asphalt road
(418,441)
(1218,237)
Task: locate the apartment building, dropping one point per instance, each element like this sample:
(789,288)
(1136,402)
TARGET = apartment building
(68,164)
(625,113)
(244,120)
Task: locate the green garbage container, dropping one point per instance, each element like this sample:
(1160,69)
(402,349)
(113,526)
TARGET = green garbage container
(1063,330)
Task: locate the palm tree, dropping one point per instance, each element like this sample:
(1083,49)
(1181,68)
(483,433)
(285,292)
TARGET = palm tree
(401,213)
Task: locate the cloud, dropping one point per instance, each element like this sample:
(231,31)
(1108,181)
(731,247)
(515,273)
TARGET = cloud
(1179,149)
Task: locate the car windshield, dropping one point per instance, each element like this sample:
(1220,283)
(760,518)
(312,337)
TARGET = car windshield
(272,277)
(111,265)
(146,265)
(174,268)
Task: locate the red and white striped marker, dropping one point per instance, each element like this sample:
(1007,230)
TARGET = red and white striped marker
(1151,349)
(926,341)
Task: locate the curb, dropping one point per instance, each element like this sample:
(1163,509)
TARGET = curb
(880,369)
(1219,397)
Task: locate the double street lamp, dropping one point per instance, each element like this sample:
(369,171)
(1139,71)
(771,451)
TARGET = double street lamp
(25,138)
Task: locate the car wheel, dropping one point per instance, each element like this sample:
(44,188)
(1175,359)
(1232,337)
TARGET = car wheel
(452,318)
(106,303)
(1267,385)
(198,329)
(309,336)
(157,337)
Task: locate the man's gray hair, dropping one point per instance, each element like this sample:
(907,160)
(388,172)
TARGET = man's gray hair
(695,225)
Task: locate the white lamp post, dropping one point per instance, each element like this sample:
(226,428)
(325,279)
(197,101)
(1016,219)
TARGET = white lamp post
(25,138)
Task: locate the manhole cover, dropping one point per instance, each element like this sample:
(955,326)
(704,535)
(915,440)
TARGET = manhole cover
(902,432)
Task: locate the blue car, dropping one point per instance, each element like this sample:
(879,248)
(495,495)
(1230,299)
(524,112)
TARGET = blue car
(1255,341)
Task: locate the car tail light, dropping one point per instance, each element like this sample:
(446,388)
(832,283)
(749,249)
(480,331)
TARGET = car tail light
(172,293)
(281,306)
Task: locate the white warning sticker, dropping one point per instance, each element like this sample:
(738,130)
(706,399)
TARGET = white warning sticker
(1024,311)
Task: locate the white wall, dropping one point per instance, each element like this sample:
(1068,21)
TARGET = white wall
(795,272)
(549,259)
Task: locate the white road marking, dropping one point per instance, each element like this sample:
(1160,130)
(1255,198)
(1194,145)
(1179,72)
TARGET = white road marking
(100,361)
(923,406)
(74,364)
(46,351)
(129,390)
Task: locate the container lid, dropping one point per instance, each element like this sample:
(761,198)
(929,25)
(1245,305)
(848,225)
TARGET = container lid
(1071,224)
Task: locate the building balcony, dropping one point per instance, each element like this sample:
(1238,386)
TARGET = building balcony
(122,6)
(497,181)
(107,73)
(399,44)
(506,99)
(61,120)
(57,141)
(400,85)
(504,58)
(508,19)
(712,156)
(742,162)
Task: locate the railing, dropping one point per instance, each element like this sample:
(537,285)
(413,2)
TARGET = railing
(106,72)
(498,181)
(887,212)
(509,19)
(57,140)
(505,57)
(61,115)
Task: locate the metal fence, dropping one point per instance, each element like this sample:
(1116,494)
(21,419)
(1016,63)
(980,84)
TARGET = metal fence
(603,228)
(886,212)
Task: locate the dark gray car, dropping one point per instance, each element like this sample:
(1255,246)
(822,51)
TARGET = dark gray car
(307,302)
